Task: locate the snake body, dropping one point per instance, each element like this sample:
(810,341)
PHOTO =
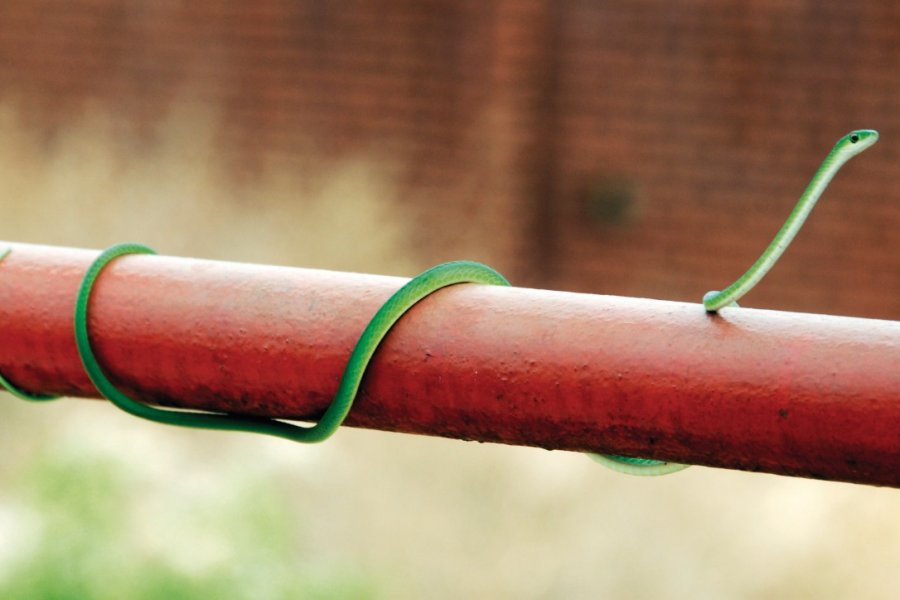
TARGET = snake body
(393,309)
(390,312)
(846,148)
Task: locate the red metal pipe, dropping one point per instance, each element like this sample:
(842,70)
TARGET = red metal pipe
(789,393)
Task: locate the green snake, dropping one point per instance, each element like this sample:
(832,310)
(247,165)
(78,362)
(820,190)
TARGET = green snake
(400,302)
(846,148)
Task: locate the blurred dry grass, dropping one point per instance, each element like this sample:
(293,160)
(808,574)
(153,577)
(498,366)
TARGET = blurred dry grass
(109,506)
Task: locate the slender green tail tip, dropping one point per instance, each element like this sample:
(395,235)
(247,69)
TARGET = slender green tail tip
(4,250)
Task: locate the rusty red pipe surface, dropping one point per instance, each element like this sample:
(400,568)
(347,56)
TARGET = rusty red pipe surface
(788,393)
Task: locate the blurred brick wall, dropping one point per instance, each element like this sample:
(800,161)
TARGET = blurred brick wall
(636,148)
(712,119)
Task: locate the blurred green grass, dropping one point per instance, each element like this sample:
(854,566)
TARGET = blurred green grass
(85,508)
(96,504)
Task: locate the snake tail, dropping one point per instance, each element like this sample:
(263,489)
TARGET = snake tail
(6,383)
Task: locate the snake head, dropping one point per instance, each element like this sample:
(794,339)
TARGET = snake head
(857,140)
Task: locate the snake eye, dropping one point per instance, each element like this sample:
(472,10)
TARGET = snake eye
(854,138)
